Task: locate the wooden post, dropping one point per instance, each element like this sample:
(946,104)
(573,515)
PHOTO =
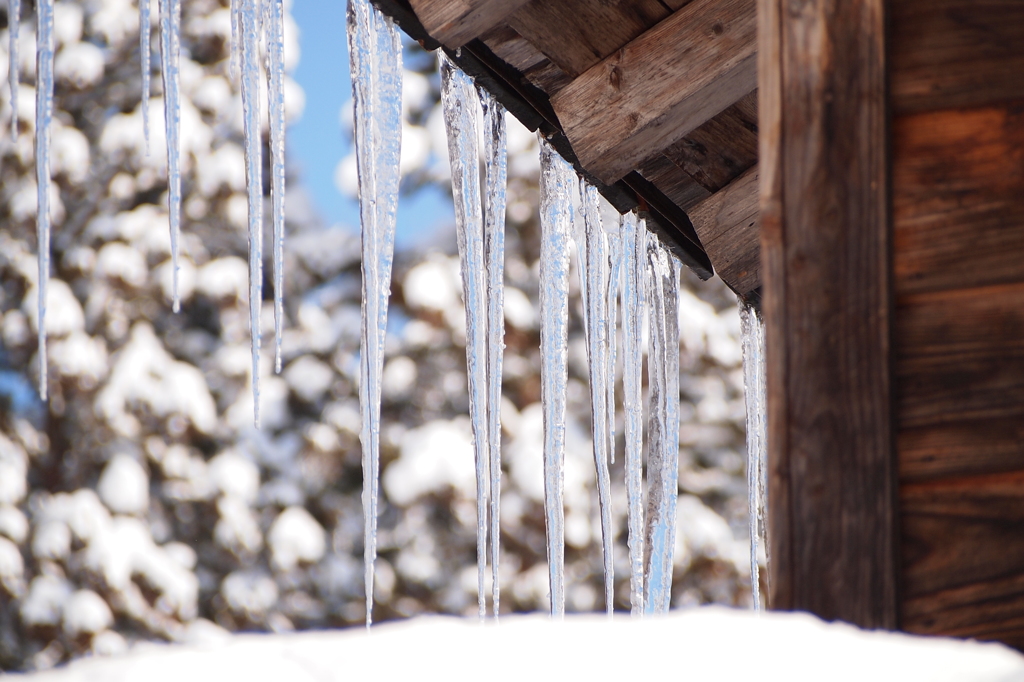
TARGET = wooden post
(825,244)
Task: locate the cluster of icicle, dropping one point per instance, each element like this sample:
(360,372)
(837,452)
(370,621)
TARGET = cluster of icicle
(253,22)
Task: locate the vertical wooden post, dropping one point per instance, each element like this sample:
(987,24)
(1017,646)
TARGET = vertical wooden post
(825,244)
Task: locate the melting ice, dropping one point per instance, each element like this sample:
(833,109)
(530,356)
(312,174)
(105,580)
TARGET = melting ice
(752,341)
(44,117)
(375,54)
(663,425)
(634,255)
(275,96)
(557,181)
(170,50)
(595,281)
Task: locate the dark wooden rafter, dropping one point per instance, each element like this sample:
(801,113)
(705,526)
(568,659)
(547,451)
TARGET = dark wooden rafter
(456,23)
(532,107)
(661,86)
(825,231)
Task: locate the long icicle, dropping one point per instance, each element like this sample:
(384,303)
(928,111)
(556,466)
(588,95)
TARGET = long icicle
(14,65)
(557,180)
(496,166)
(44,118)
(170,50)
(144,66)
(250,39)
(594,281)
(752,341)
(275,97)
(233,58)
(663,451)
(375,53)
(613,233)
(459,103)
(634,254)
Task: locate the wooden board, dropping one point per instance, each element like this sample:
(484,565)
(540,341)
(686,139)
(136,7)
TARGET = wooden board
(456,22)
(963,568)
(661,86)
(676,183)
(958,198)
(960,356)
(956,53)
(721,149)
(825,242)
(728,227)
(576,34)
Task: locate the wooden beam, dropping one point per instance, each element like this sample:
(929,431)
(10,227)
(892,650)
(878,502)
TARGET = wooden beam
(456,22)
(728,227)
(825,241)
(659,87)
(947,54)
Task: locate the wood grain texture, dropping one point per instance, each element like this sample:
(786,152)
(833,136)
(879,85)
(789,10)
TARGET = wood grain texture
(960,356)
(721,149)
(677,184)
(963,556)
(946,54)
(661,86)
(727,225)
(456,22)
(576,34)
(958,198)
(825,244)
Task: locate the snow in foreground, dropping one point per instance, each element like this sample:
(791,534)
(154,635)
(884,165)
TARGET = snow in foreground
(699,643)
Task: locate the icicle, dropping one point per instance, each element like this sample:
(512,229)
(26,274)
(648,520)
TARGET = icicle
(459,102)
(556,186)
(250,38)
(634,254)
(496,166)
(663,429)
(375,53)
(613,235)
(14,65)
(752,340)
(44,117)
(235,23)
(275,96)
(170,49)
(594,281)
(144,59)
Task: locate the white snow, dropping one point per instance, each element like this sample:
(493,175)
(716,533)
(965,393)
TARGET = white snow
(699,643)
(235,475)
(294,537)
(43,605)
(13,523)
(79,65)
(51,540)
(124,485)
(432,458)
(86,613)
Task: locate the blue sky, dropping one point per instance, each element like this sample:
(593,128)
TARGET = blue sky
(316,143)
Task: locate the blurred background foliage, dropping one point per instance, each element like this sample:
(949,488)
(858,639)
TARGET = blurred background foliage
(140,504)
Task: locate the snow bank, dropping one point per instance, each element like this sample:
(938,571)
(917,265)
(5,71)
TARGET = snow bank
(698,644)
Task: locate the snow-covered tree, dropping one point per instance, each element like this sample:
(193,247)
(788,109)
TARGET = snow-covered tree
(139,503)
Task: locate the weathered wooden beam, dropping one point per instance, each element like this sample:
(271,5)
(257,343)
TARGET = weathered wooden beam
(728,227)
(456,22)
(825,244)
(659,87)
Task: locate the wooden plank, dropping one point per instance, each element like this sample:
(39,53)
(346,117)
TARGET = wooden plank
(959,355)
(676,183)
(963,554)
(721,149)
(988,610)
(661,86)
(946,54)
(727,225)
(827,292)
(958,204)
(960,447)
(513,49)
(576,34)
(456,22)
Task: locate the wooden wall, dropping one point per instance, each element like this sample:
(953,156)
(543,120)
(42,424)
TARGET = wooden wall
(957,153)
